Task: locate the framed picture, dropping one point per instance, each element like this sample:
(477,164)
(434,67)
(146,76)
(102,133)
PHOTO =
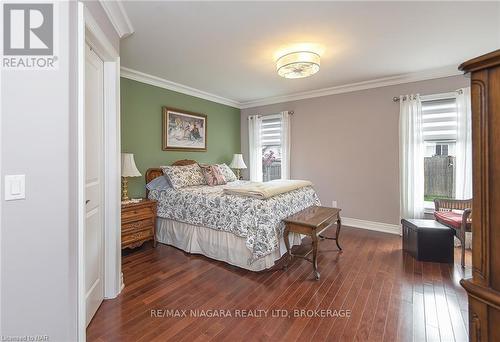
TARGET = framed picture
(183,131)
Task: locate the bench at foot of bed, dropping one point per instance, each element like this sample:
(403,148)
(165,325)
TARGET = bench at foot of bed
(312,221)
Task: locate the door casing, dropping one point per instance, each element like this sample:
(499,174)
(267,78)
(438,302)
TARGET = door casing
(89,32)
(94,181)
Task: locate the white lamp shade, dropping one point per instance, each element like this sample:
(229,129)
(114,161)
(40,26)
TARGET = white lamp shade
(128,166)
(237,162)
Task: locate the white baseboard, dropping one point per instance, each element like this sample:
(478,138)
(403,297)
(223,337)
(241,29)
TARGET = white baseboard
(371,225)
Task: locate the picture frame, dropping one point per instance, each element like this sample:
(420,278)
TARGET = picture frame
(183,130)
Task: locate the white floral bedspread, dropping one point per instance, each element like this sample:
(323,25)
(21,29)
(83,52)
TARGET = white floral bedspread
(258,221)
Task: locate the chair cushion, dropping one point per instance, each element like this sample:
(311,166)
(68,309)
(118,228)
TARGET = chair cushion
(449,218)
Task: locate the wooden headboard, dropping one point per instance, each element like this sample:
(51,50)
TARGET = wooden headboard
(157,172)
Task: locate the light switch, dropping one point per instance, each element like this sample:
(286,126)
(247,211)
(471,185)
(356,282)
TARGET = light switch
(14,187)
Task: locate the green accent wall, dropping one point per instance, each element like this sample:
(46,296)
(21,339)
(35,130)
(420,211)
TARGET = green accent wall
(141,115)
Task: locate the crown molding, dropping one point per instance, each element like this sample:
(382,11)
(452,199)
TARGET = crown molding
(180,88)
(97,38)
(347,88)
(448,71)
(118,17)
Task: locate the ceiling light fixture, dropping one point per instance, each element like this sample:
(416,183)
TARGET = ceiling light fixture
(298,64)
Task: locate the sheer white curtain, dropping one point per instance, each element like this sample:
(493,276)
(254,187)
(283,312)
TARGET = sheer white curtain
(255,148)
(463,159)
(411,157)
(285,145)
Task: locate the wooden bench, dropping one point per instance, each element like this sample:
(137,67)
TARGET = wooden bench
(312,222)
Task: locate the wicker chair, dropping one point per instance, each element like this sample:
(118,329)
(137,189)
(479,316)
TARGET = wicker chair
(460,222)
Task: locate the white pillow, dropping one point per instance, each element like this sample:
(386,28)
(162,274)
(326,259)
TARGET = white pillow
(227,173)
(182,176)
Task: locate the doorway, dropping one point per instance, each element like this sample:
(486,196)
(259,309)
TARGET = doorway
(99,181)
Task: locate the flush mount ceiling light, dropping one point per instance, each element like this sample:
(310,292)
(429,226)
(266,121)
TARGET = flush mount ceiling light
(298,64)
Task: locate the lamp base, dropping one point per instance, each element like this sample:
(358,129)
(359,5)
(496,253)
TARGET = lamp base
(124,189)
(238,173)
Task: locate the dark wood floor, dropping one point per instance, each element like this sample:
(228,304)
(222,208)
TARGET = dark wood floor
(391,297)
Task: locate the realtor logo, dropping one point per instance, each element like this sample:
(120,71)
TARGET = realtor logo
(28,36)
(28,29)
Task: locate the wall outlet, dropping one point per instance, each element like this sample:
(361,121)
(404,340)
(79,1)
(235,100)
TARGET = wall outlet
(334,204)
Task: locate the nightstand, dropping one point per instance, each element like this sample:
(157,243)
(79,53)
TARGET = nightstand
(138,223)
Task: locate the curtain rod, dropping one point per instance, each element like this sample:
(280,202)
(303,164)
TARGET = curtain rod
(459,91)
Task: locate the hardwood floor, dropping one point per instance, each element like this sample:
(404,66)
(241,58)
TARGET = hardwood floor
(391,297)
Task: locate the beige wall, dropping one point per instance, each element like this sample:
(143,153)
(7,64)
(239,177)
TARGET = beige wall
(347,145)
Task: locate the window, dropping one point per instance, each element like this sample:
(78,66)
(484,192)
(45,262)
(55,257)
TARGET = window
(435,150)
(271,138)
(439,118)
(442,149)
(269,146)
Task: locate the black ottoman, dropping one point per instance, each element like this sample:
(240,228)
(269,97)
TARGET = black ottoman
(428,240)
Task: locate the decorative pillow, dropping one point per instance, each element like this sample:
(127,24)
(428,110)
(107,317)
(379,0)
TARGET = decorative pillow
(159,183)
(213,175)
(182,176)
(227,173)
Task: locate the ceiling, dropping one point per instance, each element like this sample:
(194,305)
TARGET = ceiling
(229,48)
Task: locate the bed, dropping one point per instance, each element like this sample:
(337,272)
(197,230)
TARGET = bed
(241,231)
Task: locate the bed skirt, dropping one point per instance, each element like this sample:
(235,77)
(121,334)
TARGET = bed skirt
(216,244)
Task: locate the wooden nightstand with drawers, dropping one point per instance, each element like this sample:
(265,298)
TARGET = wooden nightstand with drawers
(138,223)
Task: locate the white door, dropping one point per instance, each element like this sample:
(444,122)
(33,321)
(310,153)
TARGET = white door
(94,227)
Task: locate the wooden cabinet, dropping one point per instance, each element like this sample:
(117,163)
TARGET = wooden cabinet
(138,223)
(484,287)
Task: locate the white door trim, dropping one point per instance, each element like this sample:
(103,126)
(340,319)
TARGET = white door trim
(94,182)
(90,32)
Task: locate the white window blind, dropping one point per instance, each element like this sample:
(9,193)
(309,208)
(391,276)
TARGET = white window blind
(439,119)
(270,131)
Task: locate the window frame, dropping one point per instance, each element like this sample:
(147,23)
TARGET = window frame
(269,117)
(428,205)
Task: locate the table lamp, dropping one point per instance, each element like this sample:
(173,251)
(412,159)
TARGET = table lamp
(237,163)
(128,170)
